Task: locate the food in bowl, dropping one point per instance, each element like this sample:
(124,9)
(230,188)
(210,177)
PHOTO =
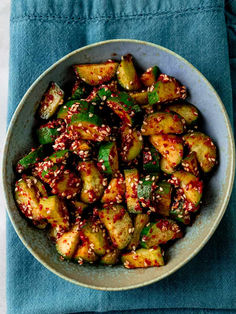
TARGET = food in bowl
(119,167)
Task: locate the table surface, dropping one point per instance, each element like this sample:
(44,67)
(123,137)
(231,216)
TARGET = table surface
(4,51)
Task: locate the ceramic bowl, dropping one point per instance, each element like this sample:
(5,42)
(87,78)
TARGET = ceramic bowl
(202,94)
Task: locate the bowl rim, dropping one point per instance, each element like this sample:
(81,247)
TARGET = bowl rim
(217,219)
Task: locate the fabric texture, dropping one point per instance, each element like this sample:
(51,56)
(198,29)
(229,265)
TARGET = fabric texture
(41,32)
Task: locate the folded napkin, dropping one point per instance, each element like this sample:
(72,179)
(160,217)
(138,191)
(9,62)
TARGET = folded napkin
(42,31)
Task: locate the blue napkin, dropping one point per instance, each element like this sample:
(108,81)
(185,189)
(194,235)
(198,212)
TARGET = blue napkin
(42,31)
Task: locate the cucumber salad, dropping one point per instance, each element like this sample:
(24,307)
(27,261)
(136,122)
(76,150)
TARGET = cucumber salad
(118,168)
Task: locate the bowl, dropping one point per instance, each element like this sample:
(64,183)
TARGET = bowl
(202,94)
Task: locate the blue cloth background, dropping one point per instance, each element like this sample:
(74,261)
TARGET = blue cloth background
(42,31)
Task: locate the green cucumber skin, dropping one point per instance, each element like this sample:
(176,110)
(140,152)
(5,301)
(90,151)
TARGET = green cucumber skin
(150,167)
(95,100)
(47,135)
(125,101)
(178,212)
(165,186)
(44,172)
(84,117)
(136,209)
(151,230)
(145,232)
(31,158)
(125,98)
(153,97)
(133,211)
(145,189)
(156,71)
(104,93)
(104,153)
(78,93)
(84,107)
(58,154)
(63,111)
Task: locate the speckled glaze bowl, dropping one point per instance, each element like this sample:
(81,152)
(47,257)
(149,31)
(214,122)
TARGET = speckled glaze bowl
(19,141)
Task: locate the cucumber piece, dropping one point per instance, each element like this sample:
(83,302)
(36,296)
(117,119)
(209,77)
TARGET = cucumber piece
(96,238)
(39,186)
(92,180)
(166,89)
(191,185)
(85,253)
(141,98)
(169,146)
(151,160)
(50,101)
(62,182)
(162,123)
(144,192)
(51,168)
(131,183)
(188,111)
(118,224)
(81,106)
(31,159)
(63,110)
(110,258)
(46,169)
(159,232)
(115,191)
(106,91)
(28,191)
(88,126)
(108,158)
(180,214)
(66,245)
(166,167)
(149,77)
(140,221)
(204,148)
(81,148)
(93,97)
(149,109)
(78,91)
(79,208)
(53,234)
(47,133)
(42,224)
(124,106)
(54,210)
(96,74)
(46,175)
(190,164)
(127,75)
(59,156)
(67,184)
(163,198)
(143,258)
(132,143)
(86,117)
